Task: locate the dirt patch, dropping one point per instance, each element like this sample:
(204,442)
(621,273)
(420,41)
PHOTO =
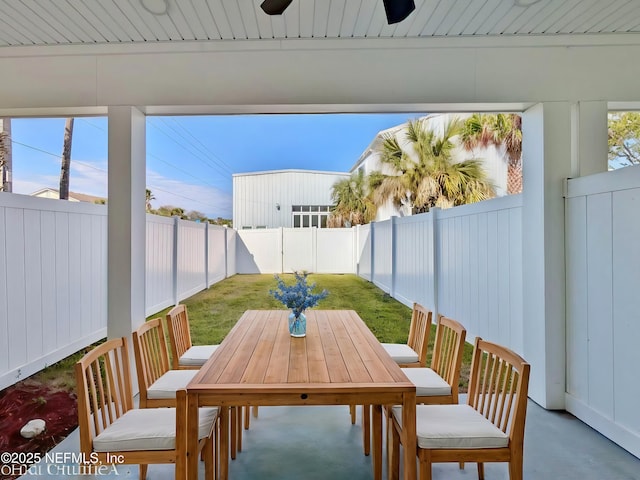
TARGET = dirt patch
(32,399)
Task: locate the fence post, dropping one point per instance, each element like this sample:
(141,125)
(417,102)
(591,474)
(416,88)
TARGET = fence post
(435,252)
(373,255)
(226,253)
(394,256)
(356,249)
(176,226)
(206,254)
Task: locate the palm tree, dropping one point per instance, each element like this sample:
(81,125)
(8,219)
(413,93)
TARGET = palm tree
(501,130)
(353,202)
(148,197)
(424,173)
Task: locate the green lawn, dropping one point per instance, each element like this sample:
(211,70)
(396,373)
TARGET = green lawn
(214,311)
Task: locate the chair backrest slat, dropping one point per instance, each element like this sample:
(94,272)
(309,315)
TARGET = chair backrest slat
(498,387)
(419,331)
(90,377)
(179,332)
(104,389)
(113,387)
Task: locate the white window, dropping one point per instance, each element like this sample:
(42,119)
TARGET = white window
(305,216)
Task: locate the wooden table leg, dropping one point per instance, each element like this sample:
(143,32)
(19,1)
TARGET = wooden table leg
(366,429)
(192,436)
(239,427)
(376,429)
(224,443)
(234,432)
(409,440)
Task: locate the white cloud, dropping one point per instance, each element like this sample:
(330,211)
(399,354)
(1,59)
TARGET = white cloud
(211,201)
(88,177)
(91,178)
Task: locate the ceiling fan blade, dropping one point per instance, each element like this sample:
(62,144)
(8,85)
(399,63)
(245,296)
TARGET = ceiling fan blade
(398,10)
(275,7)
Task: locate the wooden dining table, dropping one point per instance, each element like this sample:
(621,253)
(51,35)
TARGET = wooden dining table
(338,362)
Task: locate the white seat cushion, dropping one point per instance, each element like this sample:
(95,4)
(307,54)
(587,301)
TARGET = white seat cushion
(197,355)
(400,352)
(148,429)
(454,426)
(428,383)
(169,383)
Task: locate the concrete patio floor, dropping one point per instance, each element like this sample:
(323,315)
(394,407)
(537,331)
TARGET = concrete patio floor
(314,443)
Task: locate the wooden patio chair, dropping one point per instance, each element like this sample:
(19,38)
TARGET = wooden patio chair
(412,354)
(489,428)
(111,427)
(184,355)
(439,384)
(157,383)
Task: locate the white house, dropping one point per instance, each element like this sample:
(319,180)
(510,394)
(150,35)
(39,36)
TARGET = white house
(283,198)
(73,196)
(493,160)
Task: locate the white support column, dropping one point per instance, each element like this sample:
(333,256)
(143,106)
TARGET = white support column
(589,148)
(126,221)
(546,163)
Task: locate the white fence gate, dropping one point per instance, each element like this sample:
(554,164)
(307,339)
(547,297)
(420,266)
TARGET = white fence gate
(603,303)
(285,250)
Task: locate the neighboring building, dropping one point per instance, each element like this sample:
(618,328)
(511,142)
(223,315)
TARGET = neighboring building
(283,198)
(73,196)
(494,161)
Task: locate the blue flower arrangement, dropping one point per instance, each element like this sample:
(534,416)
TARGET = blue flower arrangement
(299,296)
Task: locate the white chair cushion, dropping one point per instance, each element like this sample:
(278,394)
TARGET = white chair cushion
(169,383)
(454,426)
(197,355)
(400,352)
(428,383)
(148,429)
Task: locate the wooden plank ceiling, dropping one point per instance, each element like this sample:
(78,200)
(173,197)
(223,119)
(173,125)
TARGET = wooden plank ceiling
(64,22)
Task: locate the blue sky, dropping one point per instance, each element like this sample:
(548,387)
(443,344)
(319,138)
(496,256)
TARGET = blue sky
(190,160)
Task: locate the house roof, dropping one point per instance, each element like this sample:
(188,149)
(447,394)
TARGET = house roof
(290,170)
(92,22)
(80,197)
(379,136)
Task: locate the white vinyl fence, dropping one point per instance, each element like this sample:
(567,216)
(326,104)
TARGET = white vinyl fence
(53,267)
(479,279)
(53,260)
(464,262)
(603,303)
(184,257)
(285,250)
